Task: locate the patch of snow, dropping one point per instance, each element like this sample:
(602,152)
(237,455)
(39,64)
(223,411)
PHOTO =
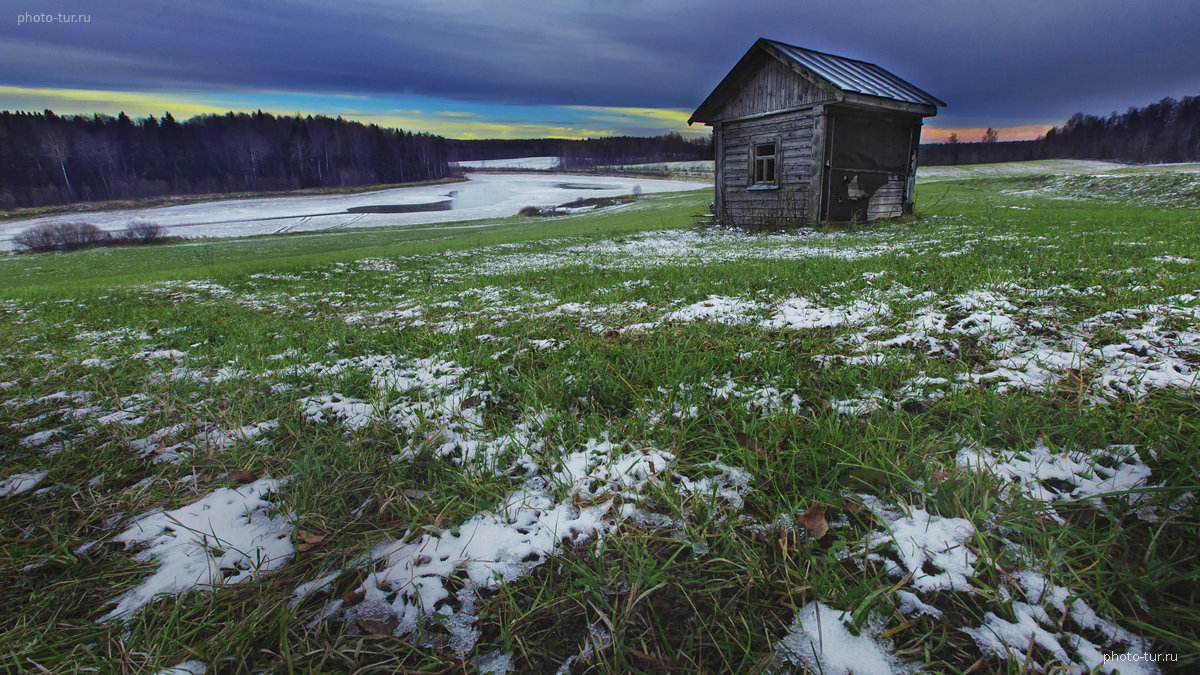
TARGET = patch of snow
(919,540)
(718,308)
(803,314)
(192,667)
(40,438)
(911,604)
(221,439)
(1033,623)
(320,585)
(820,643)
(494,662)
(1045,475)
(225,538)
(21,482)
(497,546)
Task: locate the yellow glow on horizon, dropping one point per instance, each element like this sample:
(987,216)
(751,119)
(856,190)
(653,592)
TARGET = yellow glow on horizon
(88,101)
(674,115)
(665,119)
(578,122)
(467,129)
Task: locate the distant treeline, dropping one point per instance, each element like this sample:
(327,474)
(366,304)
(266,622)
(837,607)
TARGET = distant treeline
(46,159)
(1167,131)
(587,153)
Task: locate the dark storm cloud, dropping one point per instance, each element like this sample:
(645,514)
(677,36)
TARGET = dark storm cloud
(996,60)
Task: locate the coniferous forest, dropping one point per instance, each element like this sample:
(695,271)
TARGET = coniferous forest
(1166,131)
(47,159)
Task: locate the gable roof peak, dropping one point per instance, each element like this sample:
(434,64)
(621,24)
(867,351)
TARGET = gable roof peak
(840,74)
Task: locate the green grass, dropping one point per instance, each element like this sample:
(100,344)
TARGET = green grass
(692,581)
(60,274)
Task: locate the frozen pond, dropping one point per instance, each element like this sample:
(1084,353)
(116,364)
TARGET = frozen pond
(481,196)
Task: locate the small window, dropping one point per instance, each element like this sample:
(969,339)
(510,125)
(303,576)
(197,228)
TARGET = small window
(764,164)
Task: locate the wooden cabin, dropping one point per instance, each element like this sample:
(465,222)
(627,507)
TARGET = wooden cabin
(802,136)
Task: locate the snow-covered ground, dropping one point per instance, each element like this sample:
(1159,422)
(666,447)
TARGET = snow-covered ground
(562,489)
(481,196)
(1046,167)
(698,167)
(536,163)
(1008,169)
(927,174)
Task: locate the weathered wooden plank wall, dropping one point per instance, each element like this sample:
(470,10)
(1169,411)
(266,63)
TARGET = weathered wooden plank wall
(774,86)
(792,202)
(887,201)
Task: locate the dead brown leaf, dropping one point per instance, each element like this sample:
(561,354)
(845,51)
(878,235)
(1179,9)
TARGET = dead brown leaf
(813,520)
(353,596)
(377,626)
(745,441)
(241,476)
(307,542)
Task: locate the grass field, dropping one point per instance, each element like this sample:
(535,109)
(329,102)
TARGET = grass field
(617,442)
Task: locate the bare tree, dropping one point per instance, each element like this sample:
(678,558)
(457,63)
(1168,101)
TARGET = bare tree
(56,146)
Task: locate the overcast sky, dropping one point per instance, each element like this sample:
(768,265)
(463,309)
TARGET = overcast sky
(564,67)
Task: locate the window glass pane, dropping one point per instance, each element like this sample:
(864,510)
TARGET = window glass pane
(762,163)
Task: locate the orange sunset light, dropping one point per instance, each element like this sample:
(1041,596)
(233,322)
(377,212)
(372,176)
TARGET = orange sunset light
(1028,132)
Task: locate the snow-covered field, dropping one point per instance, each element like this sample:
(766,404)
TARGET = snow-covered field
(956,443)
(529,163)
(1046,167)
(702,168)
(481,196)
(925,174)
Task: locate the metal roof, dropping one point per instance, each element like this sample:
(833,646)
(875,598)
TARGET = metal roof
(855,76)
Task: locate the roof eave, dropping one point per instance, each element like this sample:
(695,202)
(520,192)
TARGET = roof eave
(924,110)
